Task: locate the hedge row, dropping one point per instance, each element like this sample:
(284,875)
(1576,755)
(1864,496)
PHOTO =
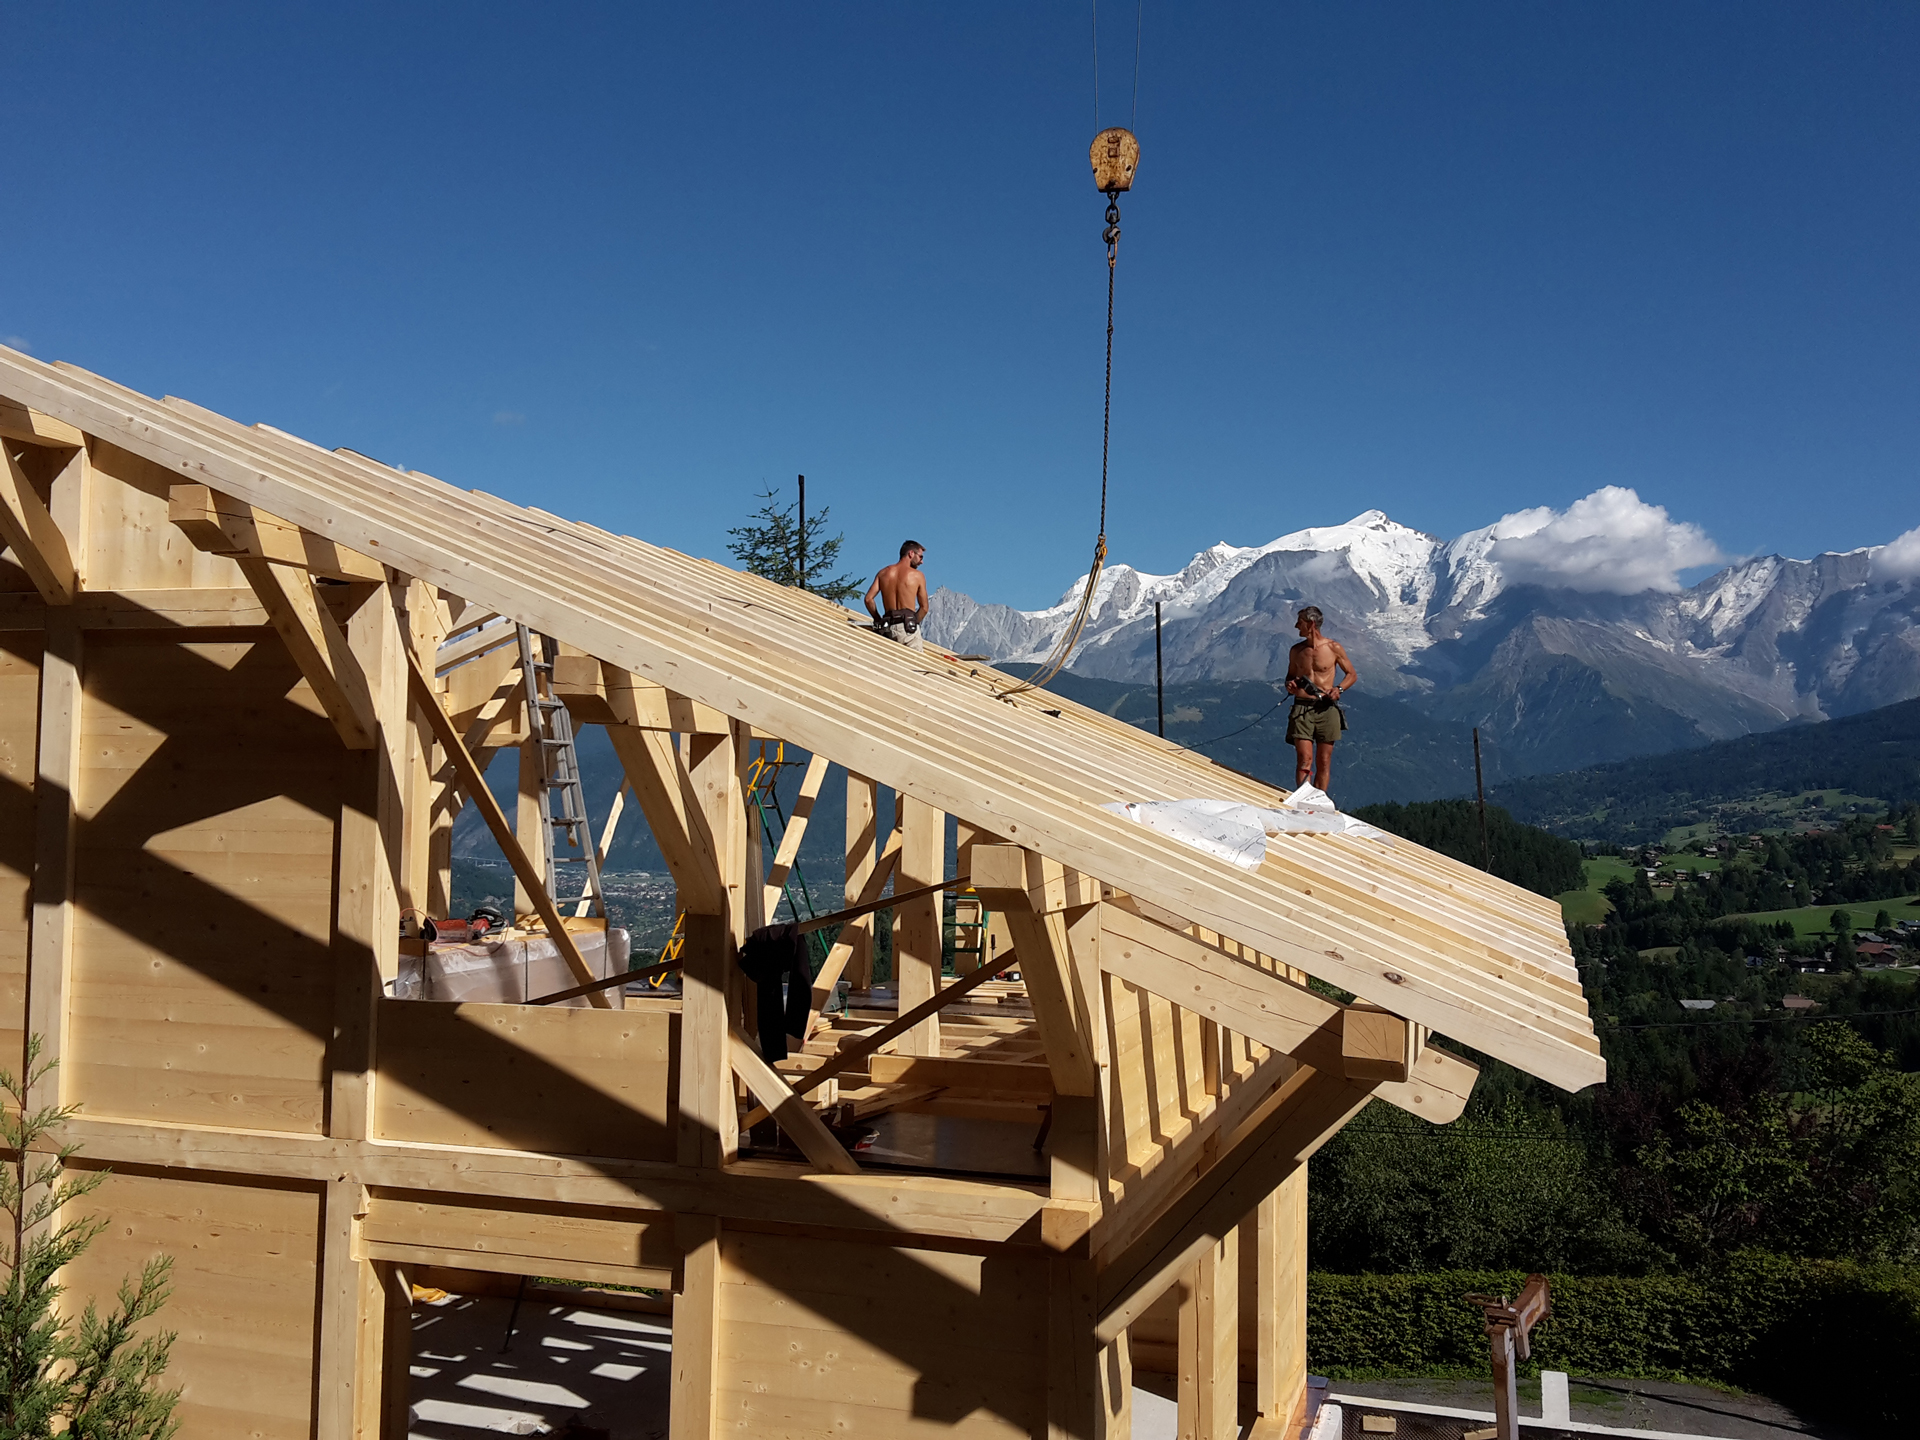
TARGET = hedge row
(1829,1337)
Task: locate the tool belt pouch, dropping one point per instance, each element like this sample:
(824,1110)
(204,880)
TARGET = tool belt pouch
(899,617)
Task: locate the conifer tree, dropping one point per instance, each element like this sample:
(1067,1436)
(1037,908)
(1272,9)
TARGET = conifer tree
(97,1379)
(769,544)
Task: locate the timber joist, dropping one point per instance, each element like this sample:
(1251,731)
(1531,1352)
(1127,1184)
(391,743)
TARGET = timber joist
(795,667)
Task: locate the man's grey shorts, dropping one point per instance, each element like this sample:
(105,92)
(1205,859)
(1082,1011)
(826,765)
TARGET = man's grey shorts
(912,639)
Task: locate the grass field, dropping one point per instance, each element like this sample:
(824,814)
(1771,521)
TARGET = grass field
(1587,906)
(1810,920)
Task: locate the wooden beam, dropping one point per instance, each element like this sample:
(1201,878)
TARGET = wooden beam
(474,782)
(849,1056)
(396,1351)
(1209,1343)
(222,525)
(661,786)
(1378,1045)
(863,800)
(693,1401)
(54,917)
(318,646)
(17,422)
(709,1135)
(338,1342)
(1003,878)
(916,923)
(1277,1233)
(472,645)
(28,529)
(800,1120)
(607,832)
(843,949)
(367,885)
(796,830)
(1302,1117)
(949,1073)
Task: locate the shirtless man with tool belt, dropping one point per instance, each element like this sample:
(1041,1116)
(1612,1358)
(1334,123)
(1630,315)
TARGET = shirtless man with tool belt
(1316,719)
(903,590)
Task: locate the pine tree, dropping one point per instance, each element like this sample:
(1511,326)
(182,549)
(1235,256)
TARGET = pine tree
(96,1382)
(769,545)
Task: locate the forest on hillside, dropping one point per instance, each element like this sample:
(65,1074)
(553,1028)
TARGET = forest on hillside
(1750,1125)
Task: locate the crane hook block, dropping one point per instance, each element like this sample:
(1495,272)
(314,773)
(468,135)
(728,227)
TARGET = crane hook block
(1115,156)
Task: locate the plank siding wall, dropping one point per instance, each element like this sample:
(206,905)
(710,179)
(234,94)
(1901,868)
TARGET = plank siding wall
(202,985)
(245,1270)
(566,1081)
(965,1351)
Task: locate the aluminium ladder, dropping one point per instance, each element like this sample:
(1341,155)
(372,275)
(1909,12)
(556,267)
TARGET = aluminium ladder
(549,723)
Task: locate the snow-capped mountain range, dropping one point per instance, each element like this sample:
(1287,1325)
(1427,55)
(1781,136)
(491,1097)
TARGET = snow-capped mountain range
(1566,636)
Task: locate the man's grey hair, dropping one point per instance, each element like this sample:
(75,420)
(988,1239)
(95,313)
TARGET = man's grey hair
(1311,614)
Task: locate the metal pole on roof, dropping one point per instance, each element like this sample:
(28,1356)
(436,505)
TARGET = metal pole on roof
(1159,679)
(1480,786)
(801,566)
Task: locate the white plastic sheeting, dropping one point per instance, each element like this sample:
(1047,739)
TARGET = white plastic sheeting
(1237,832)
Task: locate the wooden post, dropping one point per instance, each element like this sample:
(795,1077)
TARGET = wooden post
(863,806)
(530,820)
(692,1406)
(916,956)
(338,1341)
(1277,1314)
(56,784)
(396,1355)
(709,1119)
(1209,1379)
(370,867)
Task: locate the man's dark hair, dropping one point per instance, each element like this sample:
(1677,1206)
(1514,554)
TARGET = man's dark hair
(1311,614)
(906,545)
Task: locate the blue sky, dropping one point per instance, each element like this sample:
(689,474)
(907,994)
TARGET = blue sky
(635,263)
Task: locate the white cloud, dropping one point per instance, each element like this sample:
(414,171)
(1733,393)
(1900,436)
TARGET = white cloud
(16,342)
(1610,542)
(1899,560)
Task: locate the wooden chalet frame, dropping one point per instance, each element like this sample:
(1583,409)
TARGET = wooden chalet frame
(245,684)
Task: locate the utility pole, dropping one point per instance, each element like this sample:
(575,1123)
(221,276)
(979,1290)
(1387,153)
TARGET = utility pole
(801,566)
(1159,678)
(1480,785)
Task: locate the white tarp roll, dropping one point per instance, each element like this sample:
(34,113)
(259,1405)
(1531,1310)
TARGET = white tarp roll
(1237,832)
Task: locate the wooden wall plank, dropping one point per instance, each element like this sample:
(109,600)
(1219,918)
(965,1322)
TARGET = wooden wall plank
(560,1080)
(244,1294)
(202,986)
(822,1338)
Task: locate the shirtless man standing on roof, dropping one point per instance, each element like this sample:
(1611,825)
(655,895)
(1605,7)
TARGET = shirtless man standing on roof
(903,590)
(1316,719)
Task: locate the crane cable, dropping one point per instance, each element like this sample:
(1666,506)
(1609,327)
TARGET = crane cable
(1115,156)
(1056,661)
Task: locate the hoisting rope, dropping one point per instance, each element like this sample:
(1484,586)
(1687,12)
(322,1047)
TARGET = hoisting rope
(1063,650)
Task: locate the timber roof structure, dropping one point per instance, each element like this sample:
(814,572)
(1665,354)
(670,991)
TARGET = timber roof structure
(1439,943)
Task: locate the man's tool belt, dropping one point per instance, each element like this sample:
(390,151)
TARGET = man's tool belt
(897,617)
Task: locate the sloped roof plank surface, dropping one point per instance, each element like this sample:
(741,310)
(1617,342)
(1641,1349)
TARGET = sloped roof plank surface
(1421,935)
